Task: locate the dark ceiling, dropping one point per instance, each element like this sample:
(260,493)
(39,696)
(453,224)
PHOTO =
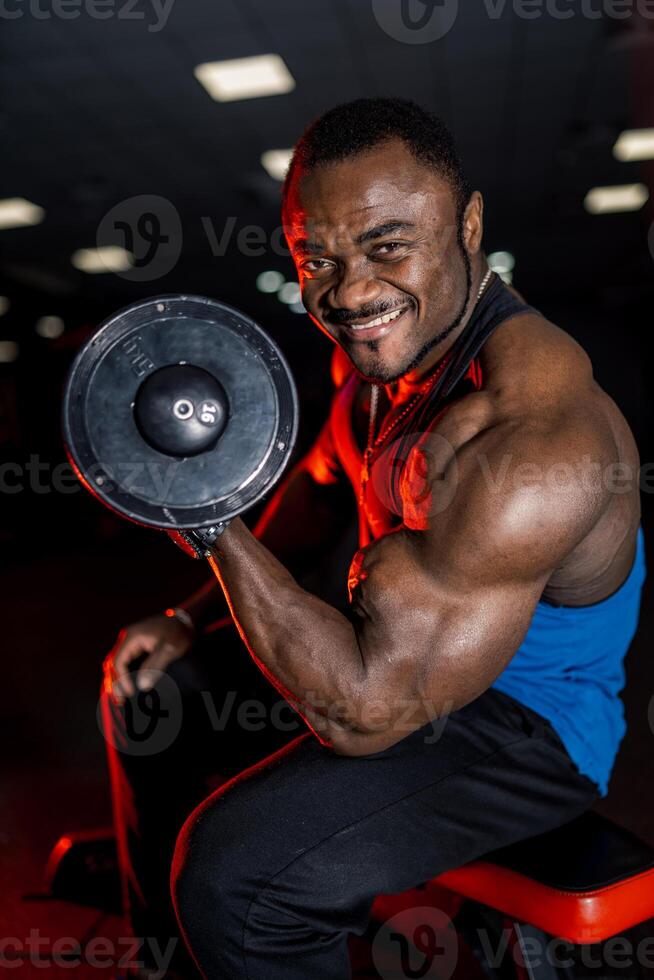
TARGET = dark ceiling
(98,111)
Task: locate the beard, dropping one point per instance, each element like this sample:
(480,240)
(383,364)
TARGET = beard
(378,373)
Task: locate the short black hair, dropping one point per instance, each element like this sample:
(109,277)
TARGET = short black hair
(355,127)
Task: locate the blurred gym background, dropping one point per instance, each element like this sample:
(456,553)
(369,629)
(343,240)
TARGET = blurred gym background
(143,148)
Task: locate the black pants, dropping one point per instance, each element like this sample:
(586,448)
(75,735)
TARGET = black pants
(276,867)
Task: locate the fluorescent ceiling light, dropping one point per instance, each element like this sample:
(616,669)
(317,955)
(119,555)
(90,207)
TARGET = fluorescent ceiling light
(109,258)
(290,293)
(50,327)
(8,351)
(501,262)
(16,212)
(269,281)
(635,144)
(275,162)
(245,78)
(622,197)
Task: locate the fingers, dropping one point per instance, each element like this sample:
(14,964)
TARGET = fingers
(118,680)
(150,670)
(120,686)
(161,638)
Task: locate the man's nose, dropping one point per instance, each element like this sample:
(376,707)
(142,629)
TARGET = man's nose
(354,290)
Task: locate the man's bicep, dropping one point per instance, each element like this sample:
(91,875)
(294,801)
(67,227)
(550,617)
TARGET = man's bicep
(460,584)
(442,606)
(429,643)
(429,629)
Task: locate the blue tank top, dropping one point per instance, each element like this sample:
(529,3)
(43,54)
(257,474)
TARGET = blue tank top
(569,668)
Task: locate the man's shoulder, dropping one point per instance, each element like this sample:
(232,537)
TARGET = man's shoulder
(529,360)
(548,427)
(530,449)
(539,391)
(537,394)
(521,492)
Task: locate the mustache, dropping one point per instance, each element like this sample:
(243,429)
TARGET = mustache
(343,317)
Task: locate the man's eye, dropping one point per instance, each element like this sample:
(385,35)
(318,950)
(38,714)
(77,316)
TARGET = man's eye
(389,248)
(315,265)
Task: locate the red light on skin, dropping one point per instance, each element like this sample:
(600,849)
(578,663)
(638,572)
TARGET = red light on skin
(357,574)
(107,682)
(416,492)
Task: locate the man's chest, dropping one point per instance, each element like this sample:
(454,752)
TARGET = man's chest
(401,465)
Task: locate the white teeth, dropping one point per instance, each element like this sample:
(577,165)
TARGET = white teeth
(378,322)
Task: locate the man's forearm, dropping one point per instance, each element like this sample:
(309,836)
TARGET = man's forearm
(206,604)
(362,683)
(307,649)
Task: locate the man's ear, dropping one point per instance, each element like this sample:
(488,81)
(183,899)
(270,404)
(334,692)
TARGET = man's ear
(473,223)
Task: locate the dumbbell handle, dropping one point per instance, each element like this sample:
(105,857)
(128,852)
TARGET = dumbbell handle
(197,543)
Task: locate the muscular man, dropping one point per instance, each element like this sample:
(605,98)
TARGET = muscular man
(467,696)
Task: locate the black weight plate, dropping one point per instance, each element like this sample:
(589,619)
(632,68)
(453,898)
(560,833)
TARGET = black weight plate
(136,480)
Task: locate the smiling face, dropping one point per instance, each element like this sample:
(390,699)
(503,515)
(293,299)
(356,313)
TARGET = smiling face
(383,263)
